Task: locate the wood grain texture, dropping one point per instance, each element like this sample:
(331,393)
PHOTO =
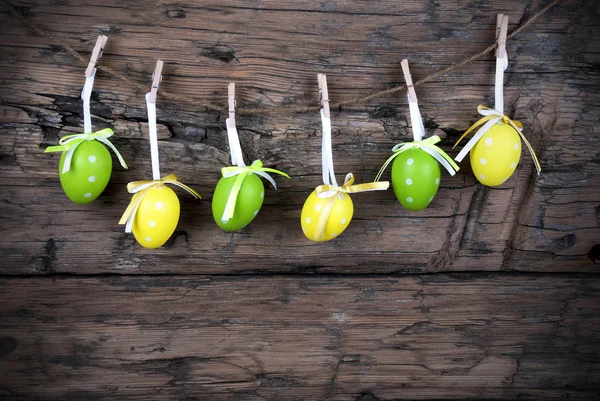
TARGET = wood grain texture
(489,293)
(273,51)
(289,338)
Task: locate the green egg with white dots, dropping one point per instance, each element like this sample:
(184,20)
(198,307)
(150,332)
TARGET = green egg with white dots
(415,179)
(89,173)
(249,201)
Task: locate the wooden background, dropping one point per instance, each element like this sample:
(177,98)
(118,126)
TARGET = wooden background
(486,294)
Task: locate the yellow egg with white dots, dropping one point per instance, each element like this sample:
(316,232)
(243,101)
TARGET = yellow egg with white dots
(496,155)
(323,219)
(156,217)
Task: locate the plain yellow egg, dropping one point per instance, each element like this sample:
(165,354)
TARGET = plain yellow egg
(156,217)
(496,155)
(339,216)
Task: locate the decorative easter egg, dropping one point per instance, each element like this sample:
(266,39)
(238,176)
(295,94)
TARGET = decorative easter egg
(415,178)
(496,155)
(156,217)
(248,204)
(339,216)
(89,172)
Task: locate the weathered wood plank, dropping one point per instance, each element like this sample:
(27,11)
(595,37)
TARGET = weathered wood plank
(284,338)
(273,51)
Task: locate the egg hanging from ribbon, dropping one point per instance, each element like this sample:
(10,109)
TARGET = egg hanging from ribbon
(153,213)
(89,173)
(157,217)
(249,201)
(416,165)
(415,179)
(323,219)
(495,148)
(496,155)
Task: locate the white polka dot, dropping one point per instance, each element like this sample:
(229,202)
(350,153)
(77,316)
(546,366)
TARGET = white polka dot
(89,194)
(408,181)
(482,176)
(488,141)
(256,212)
(152,223)
(513,165)
(409,199)
(504,180)
(516,146)
(437,181)
(343,220)
(410,161)
(92,159)
(148,239)
(482,161)
(262,195)
(159,205)
(333,235)
(307,220)
(91,178)
(430,199)
(318,207)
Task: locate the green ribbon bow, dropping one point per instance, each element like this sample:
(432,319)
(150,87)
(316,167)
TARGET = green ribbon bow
(69,143)
(427,145)
(241,172)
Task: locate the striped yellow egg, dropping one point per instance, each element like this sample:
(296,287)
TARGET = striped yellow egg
(157,217)
(338,218)
(496,155)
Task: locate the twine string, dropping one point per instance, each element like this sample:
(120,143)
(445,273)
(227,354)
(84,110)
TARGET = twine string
(281,108)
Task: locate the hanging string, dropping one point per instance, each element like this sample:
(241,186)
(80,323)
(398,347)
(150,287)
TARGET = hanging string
(276,109)
(153,135)
(327,152)
(235,148)
(86,94)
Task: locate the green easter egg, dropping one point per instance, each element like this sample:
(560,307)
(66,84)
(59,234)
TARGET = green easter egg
(415,178)
(91,166)
(249,201)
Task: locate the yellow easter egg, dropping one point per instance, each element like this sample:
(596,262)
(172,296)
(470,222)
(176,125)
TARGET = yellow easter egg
(339,216)
(156,217)
(496,155)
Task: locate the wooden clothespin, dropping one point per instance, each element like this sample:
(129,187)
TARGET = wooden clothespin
(156,80)
(501,32)
(231,101)
(412,95)
(322,79)
(96,54)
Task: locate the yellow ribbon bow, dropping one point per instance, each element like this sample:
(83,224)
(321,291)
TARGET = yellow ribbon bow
(140,189)
(427,145)
(69,143)
(491,117)
(242,171)
(331,193)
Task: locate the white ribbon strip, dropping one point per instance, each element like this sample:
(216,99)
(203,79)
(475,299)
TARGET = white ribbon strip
(482,130)
(501,65)
(235,149)
(416,120)
(153,137)
(440,160)
(327,152)
(86,94)
(266,177)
